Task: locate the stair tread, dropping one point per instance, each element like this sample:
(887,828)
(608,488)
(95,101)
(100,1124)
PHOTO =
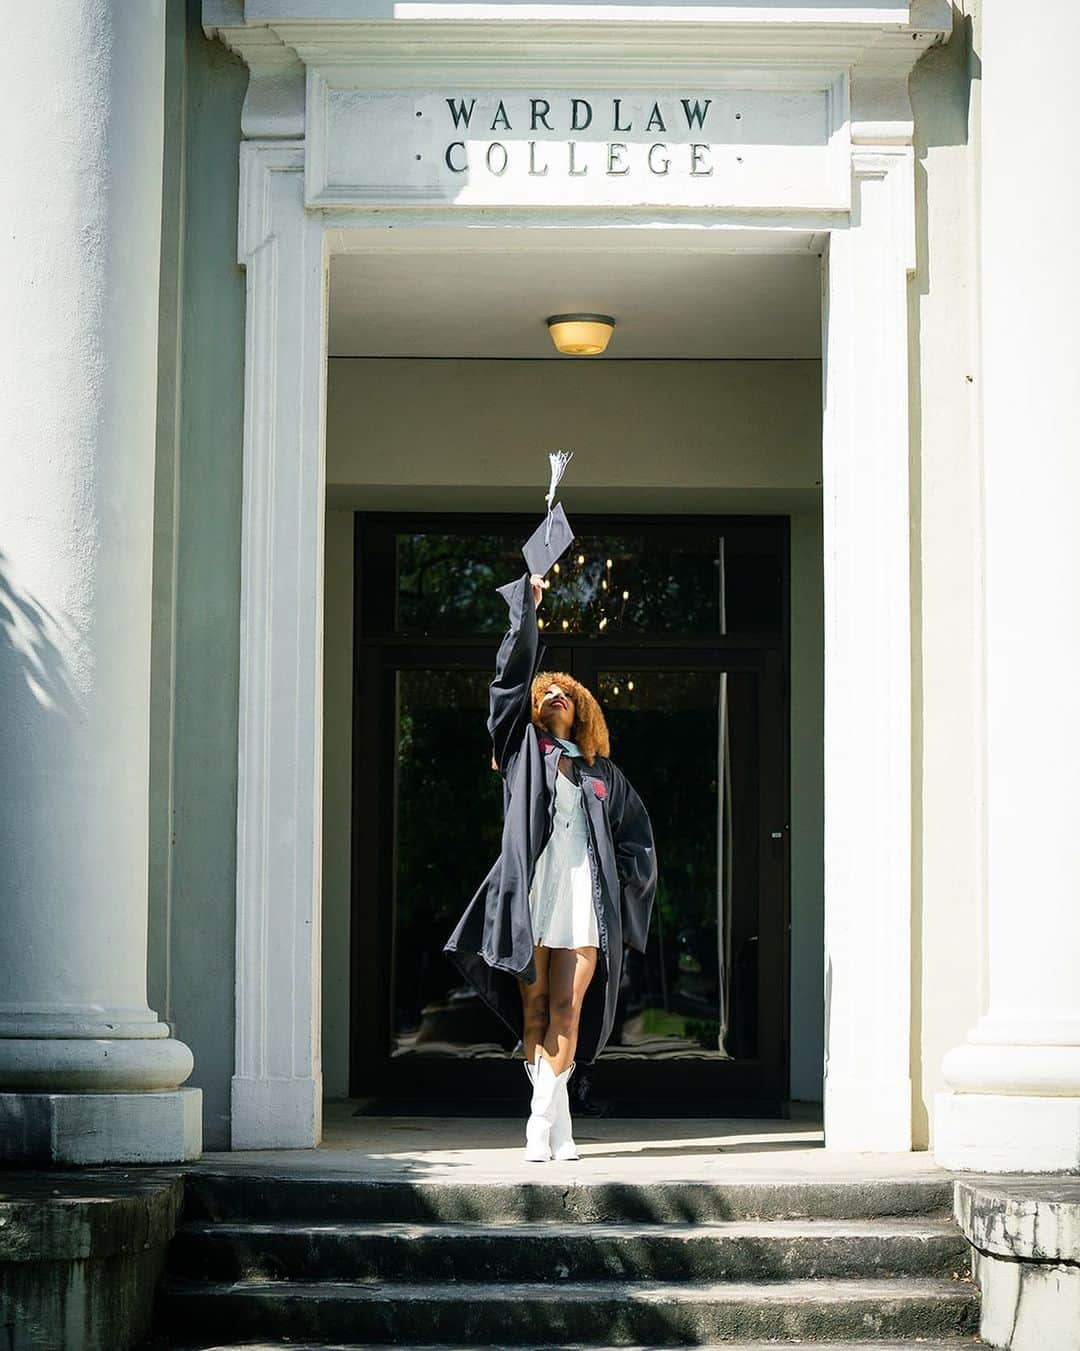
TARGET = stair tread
(923,1344)
(886,1227)
(646,1292)
(560,1195)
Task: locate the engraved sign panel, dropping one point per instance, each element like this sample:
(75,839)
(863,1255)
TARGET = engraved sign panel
(743,148)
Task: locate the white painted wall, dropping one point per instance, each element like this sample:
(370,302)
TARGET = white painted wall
(659,436)
(750,429)
(946,589)
(195,628)
(1014,1079)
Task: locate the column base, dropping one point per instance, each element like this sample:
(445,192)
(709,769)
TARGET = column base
(93,1064)
(867,1115)
(999,1133)
(276,1113)
(100,1128)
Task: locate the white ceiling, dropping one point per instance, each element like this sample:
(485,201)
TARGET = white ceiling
(483,303)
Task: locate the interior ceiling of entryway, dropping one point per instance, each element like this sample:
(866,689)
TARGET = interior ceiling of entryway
(489,304)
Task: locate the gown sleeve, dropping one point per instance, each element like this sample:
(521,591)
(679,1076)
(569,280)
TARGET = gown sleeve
(509,703)
(635,860)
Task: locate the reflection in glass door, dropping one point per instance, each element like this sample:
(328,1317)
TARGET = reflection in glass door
(688,742)
(448,805)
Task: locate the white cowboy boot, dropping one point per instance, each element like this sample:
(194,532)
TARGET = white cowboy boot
(547,1132)
(538,1126)
(563,1148)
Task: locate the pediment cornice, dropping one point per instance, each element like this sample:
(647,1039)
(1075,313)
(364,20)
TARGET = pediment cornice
(876,46)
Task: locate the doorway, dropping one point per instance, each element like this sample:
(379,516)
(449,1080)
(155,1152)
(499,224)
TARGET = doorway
(681,628)
(866,246)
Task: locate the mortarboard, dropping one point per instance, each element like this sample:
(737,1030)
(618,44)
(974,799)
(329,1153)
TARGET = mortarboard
(548,542)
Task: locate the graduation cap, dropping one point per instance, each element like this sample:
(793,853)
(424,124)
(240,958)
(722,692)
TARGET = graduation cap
(548,542)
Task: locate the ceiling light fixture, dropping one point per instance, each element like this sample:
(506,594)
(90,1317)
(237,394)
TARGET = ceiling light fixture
(580,335)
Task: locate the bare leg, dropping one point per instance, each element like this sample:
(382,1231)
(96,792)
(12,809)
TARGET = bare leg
(569,972)
(534,1003)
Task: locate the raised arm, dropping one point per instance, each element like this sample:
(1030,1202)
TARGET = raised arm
(515,665)
(635,859)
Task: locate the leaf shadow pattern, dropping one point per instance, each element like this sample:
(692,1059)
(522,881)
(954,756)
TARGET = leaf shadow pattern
(39,711)
(31,661)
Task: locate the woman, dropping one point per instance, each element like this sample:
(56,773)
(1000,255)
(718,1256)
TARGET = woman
(542,939)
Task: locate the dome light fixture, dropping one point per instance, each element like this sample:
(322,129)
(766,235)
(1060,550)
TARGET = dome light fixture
(580,335)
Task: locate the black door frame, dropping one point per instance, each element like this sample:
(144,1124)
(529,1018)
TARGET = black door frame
(754,1086)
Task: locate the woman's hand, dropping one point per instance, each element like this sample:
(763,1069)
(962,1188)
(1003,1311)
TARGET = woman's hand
(538,588)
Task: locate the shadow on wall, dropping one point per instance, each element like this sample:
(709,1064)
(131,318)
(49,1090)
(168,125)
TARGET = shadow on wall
(37,705)
(31,663)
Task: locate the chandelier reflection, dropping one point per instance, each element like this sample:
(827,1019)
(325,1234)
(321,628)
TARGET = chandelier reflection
(584,598)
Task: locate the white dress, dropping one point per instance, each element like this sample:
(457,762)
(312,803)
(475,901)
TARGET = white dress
(561,896)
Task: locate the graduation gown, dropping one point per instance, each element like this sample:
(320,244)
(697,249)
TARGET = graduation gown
(492,944)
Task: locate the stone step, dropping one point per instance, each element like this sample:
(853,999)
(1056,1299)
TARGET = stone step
(739,1250)
(267,1196)
(607,1313)
(922,1344)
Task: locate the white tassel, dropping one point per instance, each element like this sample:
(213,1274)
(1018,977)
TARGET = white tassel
(558,459)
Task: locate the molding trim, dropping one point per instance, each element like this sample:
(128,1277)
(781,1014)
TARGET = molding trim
(868,766)
(274,102)
(277,1087)
(878,43)
(892,36)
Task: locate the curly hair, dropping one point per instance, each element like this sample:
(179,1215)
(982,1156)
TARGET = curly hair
(589,729)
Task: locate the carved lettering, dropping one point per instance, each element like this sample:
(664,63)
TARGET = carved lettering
(614,151)
(656,120)
(696,152)
(538,116)
(696,118)
(459,112)
(573,114)
(575,104)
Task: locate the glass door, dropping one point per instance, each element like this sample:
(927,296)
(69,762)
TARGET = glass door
(681,633)
(703,744)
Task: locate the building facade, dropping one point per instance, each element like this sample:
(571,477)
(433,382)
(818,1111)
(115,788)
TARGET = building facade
(278,330)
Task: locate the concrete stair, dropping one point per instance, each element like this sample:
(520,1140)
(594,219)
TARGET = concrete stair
(351,1261)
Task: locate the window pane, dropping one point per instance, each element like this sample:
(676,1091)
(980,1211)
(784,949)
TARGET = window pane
(446,583)
(685,581)
(448,808)
(694,991)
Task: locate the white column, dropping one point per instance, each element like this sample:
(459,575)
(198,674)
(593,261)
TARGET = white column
(1015,1104)
(87,1072)
(866,524)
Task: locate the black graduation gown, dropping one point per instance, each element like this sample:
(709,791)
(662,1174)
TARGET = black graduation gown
(492,944)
